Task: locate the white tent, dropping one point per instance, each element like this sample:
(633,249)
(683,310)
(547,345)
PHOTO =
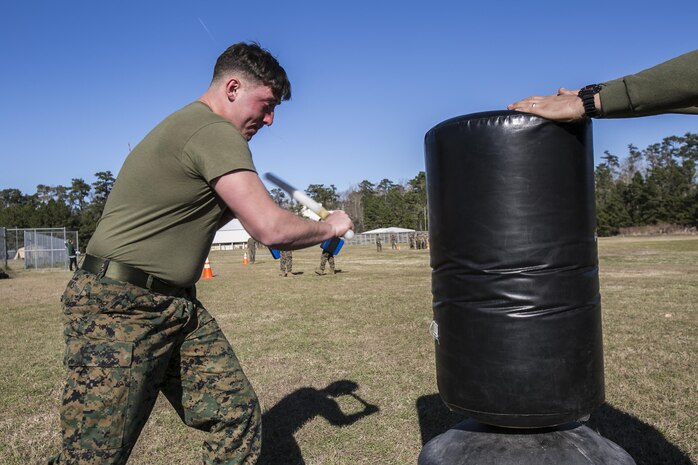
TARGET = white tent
(389,230)
(230,236)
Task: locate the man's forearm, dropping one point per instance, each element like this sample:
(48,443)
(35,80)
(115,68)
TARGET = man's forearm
(290,232)
(249,200)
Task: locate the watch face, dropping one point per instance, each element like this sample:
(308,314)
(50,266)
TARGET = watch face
(590,89)
(587,96)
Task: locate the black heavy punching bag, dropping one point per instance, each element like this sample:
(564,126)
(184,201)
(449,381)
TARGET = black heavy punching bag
(517,316)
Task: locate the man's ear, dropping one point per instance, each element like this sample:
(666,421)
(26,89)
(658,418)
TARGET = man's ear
(231,88)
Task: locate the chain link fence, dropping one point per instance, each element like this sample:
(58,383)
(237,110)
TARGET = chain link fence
(38,248)
(370,238)
(3,249)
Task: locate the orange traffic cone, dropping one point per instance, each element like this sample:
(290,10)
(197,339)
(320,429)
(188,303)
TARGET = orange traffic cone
(245,260)
(208,273)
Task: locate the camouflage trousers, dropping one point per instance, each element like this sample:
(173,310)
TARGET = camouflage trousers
(286,262)
(124,344)
(324,259)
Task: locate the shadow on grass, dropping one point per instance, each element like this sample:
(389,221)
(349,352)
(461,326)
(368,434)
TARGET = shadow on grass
(279,423)
(644,443)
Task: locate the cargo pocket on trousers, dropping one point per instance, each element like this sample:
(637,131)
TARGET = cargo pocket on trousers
(95,400)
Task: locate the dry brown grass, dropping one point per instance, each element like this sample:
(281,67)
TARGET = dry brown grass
(369,326)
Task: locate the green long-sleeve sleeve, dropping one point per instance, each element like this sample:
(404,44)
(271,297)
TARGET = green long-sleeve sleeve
(670,87)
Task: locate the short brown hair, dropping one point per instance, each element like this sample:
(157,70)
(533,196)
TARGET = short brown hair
(256,63)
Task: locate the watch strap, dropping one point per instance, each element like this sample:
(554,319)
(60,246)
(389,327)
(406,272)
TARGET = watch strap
(587,94)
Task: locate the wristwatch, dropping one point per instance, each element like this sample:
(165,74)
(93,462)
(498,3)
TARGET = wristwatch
(587,95)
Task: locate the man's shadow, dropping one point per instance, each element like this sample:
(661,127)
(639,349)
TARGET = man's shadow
(279,423)
(646,445)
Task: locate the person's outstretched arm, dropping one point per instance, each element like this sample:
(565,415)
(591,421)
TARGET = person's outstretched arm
(670,87)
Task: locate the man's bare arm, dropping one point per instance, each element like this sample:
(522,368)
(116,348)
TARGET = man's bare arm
(249,201)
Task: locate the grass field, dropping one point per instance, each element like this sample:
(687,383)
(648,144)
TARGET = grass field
(364,332)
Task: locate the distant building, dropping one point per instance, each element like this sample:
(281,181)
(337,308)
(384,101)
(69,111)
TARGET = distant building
(231,236)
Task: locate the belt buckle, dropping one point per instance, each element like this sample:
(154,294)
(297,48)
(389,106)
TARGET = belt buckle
(103,269)
(149,282)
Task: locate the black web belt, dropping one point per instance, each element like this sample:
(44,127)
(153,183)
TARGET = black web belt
(121,272)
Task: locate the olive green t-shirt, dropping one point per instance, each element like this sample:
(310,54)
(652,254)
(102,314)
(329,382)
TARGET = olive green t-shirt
(162,212)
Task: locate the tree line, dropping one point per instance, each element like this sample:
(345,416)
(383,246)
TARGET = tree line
(653,186)
(77,207)
(656,185)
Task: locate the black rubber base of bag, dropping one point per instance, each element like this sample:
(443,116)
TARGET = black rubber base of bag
(473,443)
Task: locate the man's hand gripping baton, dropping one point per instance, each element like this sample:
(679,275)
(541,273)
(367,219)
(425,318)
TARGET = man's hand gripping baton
(303,199)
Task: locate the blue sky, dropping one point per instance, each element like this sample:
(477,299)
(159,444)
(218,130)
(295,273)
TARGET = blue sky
(82,80)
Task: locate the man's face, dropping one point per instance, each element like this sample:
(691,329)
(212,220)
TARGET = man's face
(252,108)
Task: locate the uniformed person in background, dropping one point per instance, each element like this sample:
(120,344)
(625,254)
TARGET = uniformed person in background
(72,254)
(251,249)
(329,248)
(422,240)
(379,243)
(286,263)
(133,324)
(325,258)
